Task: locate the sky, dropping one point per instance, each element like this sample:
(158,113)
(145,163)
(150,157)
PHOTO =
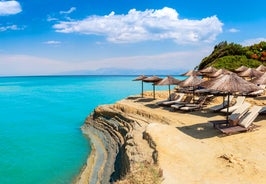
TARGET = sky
(47,37)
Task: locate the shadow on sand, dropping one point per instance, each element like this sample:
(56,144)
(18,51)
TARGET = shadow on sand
(152,105)
(200,131)
(134,97)
(145,100)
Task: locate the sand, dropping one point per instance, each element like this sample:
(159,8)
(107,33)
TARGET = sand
(190,150)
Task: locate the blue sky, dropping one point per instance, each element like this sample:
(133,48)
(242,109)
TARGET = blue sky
(142,36)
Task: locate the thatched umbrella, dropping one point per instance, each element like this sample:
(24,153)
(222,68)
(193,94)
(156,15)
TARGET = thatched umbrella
(241,69)
(230,83)
(260,80)
(261,68)
(250,72)
(140,78)
(192,81)
(191,72)
(218,73)
(169,80)
(152,79)
(209,69)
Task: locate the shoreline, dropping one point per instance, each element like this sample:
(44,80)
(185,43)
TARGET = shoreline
(85,172)
(159,123)
(92,169)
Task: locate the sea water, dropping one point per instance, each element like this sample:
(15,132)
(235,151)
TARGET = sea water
(40,118)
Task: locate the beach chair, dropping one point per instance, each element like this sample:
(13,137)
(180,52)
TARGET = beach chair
(263,110)
(239,112)
(181,103)
(245,123)
(173,96)
(169,103)
(256,93)
(233,118)
(200,99)
(195,106)
(219,107)
(239,101)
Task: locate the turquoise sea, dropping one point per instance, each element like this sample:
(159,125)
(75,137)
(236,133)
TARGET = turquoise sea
(40,137)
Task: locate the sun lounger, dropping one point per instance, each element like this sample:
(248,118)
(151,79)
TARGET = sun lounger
(181,103)
(195,106)
(169,103)
(217,108)
(256,93)
(263,110)
(234,117)
(239,101)
(250,116)
(245,123)
(173,96)
(239,112)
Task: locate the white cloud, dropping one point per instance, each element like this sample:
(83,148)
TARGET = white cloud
(9,8)
(233,30)
(68,11)
(52,42)
(49,18)
(252,41)
(137,26)
(12,27)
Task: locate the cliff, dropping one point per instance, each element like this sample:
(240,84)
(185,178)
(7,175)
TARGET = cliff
(116,133)
(184,147)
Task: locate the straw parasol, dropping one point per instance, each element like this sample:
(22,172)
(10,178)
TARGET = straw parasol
(209,69)
(261,68)
(191,72)
(250,72)
(140,78)
(260,80)
(218,73)
(192,81)
(241,69)
(169,80)
(230,83)
(152,79)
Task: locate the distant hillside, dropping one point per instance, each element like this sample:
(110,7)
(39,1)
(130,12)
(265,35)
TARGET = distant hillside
(119,71)
(232,56)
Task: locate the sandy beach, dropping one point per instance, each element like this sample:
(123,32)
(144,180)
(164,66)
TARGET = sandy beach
(189,149)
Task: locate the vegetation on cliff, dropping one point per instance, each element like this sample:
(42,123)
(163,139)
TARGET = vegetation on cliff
(145,172)
(232,55)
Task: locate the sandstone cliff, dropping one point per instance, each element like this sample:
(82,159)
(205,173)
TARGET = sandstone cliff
(116,133)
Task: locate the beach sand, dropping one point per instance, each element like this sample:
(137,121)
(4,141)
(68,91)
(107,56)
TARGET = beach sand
(190,150)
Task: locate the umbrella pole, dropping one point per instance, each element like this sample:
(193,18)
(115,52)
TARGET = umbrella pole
(193,94)
(142,89)
(153,91)
(169,90)
(227,119)
(223,99)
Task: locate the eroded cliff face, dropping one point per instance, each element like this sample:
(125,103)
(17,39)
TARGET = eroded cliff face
(117,135)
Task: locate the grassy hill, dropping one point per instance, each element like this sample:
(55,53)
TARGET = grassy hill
(232,56)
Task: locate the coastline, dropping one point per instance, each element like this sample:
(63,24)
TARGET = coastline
(157,124)
(93,169)
(85,173)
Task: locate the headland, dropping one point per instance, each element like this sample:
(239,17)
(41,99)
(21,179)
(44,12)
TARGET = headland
(184,147)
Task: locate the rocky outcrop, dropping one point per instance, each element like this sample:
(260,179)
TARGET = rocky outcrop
(116,134)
